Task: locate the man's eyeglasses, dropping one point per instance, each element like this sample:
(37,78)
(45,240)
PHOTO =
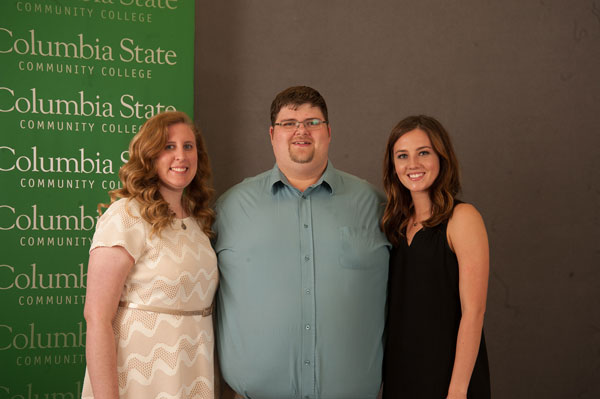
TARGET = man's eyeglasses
(309,124)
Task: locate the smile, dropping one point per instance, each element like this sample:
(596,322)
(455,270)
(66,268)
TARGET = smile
(416,176)
(179,169)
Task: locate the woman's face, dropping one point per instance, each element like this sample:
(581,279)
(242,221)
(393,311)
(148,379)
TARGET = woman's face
(177,163)
(416,162)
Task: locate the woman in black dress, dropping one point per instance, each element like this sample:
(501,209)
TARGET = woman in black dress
(439,270)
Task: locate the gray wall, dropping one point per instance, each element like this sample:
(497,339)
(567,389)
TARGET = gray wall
(515,82)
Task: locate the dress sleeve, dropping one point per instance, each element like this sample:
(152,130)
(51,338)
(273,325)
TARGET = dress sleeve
(121,225)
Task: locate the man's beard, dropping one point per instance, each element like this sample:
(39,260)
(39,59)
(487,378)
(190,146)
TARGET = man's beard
(302,157)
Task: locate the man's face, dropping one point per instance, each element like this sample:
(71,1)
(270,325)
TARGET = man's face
(300,150)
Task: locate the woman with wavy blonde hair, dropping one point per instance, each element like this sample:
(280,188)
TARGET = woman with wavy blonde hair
(439,270)
(152,273)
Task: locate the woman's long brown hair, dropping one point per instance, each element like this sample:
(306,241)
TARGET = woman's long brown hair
(442,192)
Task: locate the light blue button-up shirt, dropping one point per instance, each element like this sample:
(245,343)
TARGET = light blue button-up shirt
(301,303)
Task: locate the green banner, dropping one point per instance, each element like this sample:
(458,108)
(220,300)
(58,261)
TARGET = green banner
(78,78)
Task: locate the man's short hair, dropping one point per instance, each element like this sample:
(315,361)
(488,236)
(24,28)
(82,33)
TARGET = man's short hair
(296,96)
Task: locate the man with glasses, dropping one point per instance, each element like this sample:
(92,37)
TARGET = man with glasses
(304,264)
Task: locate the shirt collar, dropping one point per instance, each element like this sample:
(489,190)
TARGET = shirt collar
(329,179)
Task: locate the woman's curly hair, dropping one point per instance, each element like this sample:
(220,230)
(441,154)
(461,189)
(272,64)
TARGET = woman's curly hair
(442,192)
(140,181)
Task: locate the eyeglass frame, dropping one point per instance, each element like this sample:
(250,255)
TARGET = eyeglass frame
(298,123)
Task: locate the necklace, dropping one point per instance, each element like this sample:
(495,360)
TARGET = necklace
(183,226)
(415,223)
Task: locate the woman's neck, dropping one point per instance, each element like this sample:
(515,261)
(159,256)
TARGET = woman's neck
(422,205)
(173,198)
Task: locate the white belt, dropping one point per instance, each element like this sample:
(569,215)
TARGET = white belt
(202,312)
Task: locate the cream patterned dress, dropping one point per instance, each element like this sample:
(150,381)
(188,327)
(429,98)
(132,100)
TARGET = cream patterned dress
(161,354)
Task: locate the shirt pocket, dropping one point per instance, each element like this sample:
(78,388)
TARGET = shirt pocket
(363,248)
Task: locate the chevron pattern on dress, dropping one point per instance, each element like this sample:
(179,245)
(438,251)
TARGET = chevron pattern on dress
(201,388)
(162,358)
(180,289)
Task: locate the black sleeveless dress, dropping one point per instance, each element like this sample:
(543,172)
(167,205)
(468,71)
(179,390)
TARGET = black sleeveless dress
(422,325)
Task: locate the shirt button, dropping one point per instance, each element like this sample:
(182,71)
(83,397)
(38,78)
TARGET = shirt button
(307,362)
(307,326)
(307,292)
(305,226)
(307,258)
